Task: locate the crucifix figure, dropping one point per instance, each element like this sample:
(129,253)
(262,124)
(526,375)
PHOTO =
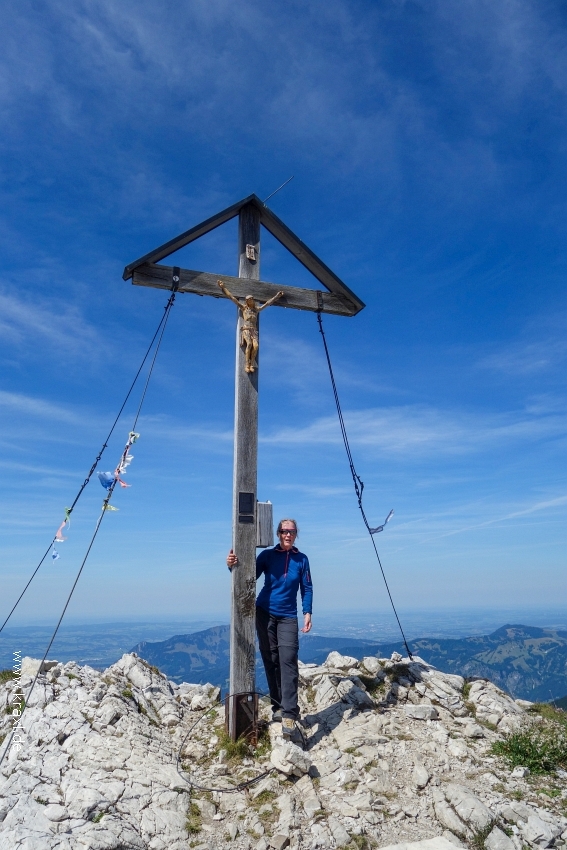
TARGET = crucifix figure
(249,325)
(247,291)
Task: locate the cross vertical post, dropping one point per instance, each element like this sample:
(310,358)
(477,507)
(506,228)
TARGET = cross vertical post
(243,600)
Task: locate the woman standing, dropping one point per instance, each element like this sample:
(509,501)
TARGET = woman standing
(286,571)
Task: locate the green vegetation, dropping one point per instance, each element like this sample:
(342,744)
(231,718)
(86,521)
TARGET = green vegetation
(98,817)
(550,792)
(375,687)
(41,801)
(127,693)
(264,797)
(71,676)
(466,690)
(360,842)
(151,667)
(480,837)
(194,822)
(550,712)
(542,747)
(235,750)
(264,746)
(18,705)
(7,676)
(240,749)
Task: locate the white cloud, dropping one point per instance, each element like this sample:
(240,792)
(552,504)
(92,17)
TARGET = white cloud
(319,78)
(36,408)
(527,358)
(28,323)
(419,430)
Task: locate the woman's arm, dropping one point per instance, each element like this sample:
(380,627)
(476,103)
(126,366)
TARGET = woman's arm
(306,590)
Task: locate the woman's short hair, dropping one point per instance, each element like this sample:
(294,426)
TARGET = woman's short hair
(288,519)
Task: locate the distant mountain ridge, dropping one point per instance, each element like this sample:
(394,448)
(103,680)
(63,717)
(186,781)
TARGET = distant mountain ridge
(527,661)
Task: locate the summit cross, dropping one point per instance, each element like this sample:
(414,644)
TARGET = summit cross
(338,299)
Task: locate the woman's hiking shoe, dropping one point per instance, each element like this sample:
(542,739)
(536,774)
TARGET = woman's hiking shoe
(277,715)
(288,725)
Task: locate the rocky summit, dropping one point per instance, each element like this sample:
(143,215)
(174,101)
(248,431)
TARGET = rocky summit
(390,752)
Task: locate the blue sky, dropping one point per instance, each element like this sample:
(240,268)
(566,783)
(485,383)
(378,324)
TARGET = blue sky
(428,143)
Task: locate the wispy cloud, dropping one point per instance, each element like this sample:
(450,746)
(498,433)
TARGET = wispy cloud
(537,507)
(318,78)
(36,408)
(167,428)
(14,466)
(27,323)
(418,429)
(528,358)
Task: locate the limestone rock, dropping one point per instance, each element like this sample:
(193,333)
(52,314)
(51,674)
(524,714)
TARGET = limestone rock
(468,806)
(453,839)
(340,662)
(438,843)
(99,767)
(448,818)
(339,833)
(473,730)
(541,832)
(520,772)
(420,776)
(421,712)
(30,666)
(494,706)
(498,840)
(371,664)
(290,759)
(457,748)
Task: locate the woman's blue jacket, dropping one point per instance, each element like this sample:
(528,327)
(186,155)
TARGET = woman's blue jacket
(284,574)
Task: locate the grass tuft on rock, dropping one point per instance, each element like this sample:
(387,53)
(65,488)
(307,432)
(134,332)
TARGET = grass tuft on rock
(541,747)
(478,839)
(360,842)
(235,750)
(194,821)
(7,676)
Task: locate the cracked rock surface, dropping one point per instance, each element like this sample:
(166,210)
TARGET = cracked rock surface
(390,752)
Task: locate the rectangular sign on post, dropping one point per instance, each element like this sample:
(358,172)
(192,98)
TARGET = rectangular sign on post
(264,525)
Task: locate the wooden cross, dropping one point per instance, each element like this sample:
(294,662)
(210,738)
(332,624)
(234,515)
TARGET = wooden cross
(337,299)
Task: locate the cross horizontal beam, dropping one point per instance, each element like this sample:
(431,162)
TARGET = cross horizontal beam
(203,283)
(276,227)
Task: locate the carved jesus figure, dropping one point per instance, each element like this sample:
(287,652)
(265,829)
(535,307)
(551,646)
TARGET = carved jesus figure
(249,328)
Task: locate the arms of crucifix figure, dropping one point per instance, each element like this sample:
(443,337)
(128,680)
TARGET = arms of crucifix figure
(257,309)
(229,294)
(272,300)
